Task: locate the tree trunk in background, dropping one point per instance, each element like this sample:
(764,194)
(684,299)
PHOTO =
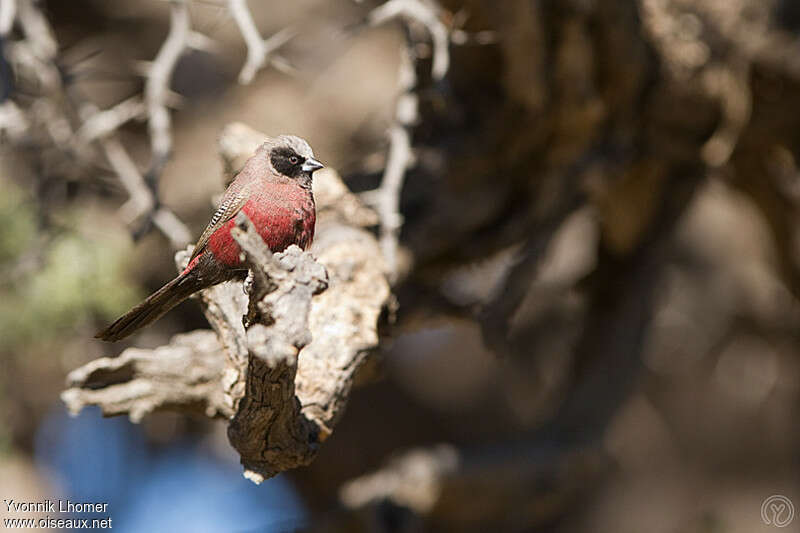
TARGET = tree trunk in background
(622,109)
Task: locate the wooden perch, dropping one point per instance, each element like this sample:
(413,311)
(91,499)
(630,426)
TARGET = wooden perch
(284,381)
(280,302)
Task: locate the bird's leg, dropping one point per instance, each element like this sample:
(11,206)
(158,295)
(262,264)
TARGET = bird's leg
(256,286)
(252,310)
(247,286)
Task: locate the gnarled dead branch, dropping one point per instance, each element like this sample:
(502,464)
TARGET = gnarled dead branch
(285,379)
(182,375)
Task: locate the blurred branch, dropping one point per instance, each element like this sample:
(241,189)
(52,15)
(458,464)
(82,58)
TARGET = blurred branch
(435,483)
(13,121)
(141,200)
(730,84)
(400,156)
(37,30)
(260,52)
(427,13)
(55,113)
(413,479)
(386,198)
(156,91)
(98,124)
(8,11)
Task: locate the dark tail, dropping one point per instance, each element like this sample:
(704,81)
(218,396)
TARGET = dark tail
(153,308)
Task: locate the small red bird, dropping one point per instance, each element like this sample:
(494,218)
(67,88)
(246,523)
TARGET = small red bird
(274,190)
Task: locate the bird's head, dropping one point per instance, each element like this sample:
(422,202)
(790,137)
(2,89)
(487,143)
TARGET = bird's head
(292,157)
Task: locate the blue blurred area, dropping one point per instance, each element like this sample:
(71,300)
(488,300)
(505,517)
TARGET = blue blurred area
(173,489)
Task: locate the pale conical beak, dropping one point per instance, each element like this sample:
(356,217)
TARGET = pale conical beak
(311,164)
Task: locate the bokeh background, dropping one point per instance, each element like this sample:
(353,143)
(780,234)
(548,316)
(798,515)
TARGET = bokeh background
(596,325)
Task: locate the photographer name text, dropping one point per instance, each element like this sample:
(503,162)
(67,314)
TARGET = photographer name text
(49,506)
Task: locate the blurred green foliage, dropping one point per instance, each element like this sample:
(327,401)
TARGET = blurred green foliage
(5,434)
(58,282)
(17,223)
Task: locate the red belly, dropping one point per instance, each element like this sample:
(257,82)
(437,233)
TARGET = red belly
(279,226)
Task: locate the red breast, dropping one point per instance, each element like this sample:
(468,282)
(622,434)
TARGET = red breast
(283,214)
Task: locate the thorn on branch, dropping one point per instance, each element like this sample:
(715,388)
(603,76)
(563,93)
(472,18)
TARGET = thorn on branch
(36,55)
(142,201)
(159,76)
(100,124)
(400,157)
(260,52)
(426,13)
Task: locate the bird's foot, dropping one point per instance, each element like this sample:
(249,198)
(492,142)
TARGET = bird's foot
(247,286)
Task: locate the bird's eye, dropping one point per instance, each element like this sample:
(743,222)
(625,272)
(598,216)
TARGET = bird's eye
(294,160)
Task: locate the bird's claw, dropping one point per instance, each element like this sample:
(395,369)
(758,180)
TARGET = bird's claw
(247,286)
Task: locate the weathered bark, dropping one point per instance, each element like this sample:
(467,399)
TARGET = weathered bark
(183,375)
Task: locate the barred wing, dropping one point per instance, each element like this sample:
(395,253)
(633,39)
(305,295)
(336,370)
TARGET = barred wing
(233,200)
